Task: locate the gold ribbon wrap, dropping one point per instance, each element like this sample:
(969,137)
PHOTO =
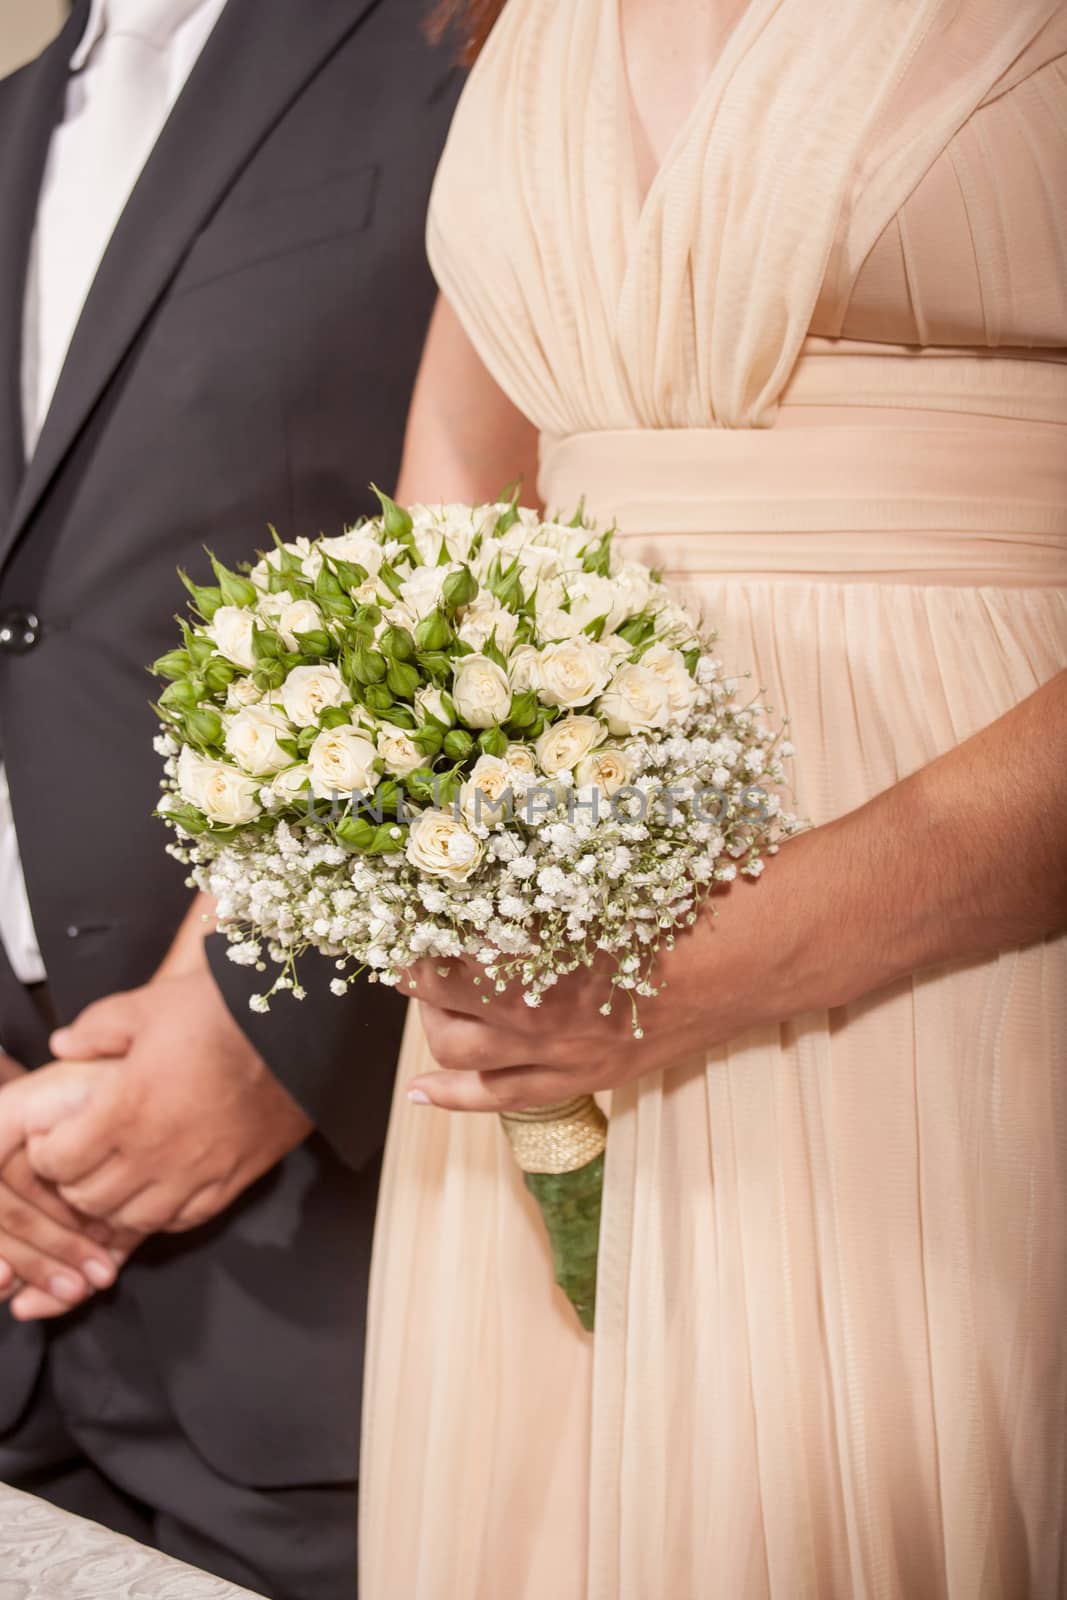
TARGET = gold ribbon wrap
(559,1138)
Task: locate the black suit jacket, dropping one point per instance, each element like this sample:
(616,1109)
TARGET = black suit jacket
(246,356)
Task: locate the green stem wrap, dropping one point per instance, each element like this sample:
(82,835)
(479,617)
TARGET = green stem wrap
(560,1149)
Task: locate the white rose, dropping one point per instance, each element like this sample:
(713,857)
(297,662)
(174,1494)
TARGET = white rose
(538,563)
(520,759)
(308,691)
(300,616)
(670,665)
(481,799)
(565,743)
(395,616)
(242,692)
(484,617)
(456,525)
(308,555)
(357,546)
(636,702)
(421,593)
(252,739)
(223,793)
(288,786)
(442,846)
(342,761)
(480,691)
(589,598)
(571,673)
(430,702)
(520,667)
(566,544)
(633,584)
(399,752)
(606,770)
(231,629)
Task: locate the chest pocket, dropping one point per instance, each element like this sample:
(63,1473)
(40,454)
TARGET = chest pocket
(251,230)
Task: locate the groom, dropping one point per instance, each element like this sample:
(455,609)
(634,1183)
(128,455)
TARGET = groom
(212,302)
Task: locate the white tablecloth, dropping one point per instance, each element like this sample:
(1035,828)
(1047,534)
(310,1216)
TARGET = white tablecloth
(47,1555)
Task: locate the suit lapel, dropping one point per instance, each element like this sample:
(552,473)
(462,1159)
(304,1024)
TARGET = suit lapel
(259,57)
(33,104)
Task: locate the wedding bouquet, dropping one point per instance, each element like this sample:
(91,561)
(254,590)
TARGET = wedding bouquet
(464,732)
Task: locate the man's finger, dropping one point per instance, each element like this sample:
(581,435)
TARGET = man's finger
(67,1138)
(10,1069)
(39,1237)
(20,1177)
(34,1305)
(38,1268)
(106,1028)
(201,1208)
(103,1192)
(515,1089)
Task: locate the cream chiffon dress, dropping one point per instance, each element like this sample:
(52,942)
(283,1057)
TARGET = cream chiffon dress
(818,373)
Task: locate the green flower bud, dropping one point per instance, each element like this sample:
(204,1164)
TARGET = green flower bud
(388,839)
(523,709)
(316,643)
(396,524)
(203,727)
(182,695)
(269,675)
(459,588)
(206,599)
(433,632)
(364,665)
(355,833)
(377,697)
(334,717)
(428,739)
(403,679)
(398,716)
(175,664)
(458,744)
(494,741)
(218,674)
(387,796)
(349,574)
(391,578)
(235,591)
(367,619)
(266,644)
(435,664)
(199,648)
(396,644)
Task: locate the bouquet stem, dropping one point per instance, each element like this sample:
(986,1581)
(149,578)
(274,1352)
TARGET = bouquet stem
(560,1149)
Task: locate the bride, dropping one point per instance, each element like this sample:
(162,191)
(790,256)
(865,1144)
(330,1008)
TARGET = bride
(781,286)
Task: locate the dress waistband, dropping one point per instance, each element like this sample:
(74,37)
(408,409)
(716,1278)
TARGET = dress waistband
(831,492)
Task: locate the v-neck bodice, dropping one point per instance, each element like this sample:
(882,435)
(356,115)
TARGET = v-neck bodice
(596,308)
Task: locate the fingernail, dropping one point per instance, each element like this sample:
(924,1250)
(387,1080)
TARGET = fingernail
(58,1038)
(418,1098)
(65,1287)
(99,1273)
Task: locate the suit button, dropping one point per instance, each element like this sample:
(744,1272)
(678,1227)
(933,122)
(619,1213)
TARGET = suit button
(20,631)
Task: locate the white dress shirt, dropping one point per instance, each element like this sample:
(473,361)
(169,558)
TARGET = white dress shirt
(129,68)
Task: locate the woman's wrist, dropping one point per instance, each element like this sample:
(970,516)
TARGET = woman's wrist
(827,922)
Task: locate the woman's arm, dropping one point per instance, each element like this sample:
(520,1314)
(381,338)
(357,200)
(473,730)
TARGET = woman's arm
(465,440)
(965,857)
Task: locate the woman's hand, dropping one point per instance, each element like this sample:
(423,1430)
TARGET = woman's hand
(965,857)
(725,974)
